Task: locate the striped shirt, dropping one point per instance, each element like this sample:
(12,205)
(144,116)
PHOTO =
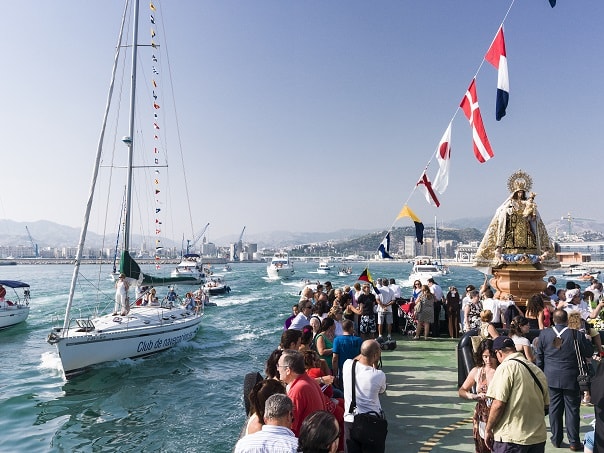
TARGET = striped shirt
(272,439)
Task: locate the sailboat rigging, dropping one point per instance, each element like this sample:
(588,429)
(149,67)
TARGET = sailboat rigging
(142,329)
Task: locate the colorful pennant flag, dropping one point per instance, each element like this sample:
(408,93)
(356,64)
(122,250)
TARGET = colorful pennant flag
(497,57)
(429,192)
(419,226)
(443,156)
(384,247)
(469,105)
(366,277)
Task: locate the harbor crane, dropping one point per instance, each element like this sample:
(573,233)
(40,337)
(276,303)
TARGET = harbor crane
(570,219)
(33,244)
(238,246)
(191,244)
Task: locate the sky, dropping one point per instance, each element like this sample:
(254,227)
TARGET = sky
(311,116)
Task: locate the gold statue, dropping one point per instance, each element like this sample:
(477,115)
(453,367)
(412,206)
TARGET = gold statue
(516,234)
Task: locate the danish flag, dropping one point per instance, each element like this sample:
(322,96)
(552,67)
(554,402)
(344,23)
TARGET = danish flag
(469,105)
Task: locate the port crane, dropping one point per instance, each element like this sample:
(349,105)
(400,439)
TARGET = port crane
(33,244)
(570,219)
(238,246)
(191,244)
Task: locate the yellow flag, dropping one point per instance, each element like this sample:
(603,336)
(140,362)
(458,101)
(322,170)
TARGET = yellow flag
(407,212)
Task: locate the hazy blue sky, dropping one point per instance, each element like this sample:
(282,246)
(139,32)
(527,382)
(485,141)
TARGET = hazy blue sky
(313,115)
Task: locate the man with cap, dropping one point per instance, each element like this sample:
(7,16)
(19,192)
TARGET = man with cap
(575,302)
(557,358)
(516,423)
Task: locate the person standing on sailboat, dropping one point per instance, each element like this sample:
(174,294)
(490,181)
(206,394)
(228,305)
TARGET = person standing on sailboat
(122,305)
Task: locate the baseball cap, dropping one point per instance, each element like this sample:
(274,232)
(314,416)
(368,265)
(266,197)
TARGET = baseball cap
(502,342)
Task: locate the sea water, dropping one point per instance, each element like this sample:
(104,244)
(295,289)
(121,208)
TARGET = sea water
(187,399)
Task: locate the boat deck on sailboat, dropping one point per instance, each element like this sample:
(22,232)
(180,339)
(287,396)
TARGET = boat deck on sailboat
(143,331)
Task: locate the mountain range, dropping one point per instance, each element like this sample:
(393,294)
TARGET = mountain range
(49,234)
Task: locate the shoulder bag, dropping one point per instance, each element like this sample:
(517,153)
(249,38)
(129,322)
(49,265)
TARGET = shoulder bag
(585,370)
(369,429)
(545,408)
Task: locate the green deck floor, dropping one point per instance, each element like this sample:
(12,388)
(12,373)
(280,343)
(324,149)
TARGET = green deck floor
(421,403)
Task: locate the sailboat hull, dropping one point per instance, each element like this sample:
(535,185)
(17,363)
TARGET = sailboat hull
(144,331)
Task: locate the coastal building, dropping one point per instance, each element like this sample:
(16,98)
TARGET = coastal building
(465,253)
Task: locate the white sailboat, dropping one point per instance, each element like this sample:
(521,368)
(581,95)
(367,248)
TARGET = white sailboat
(85,341)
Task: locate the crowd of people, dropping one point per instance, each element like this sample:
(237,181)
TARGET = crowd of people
(526,363)
(313,369)
(147,296)
(514,378)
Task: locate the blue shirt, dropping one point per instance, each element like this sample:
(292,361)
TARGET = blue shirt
(347,347)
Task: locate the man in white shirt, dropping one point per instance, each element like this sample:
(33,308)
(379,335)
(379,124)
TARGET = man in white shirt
(575,302)
(384,311)
(396,299)
(439,295)
(370,382)
(276,434)
(496,306)
(303,317)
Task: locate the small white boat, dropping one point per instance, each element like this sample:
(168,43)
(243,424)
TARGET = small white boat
(190,267)
(280,266)
(324,267)
(216,285)
(345,271)
(423,269)
(13,311)
(580,270)
(227,268)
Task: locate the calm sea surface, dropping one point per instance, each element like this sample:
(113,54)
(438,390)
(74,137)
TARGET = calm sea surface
(188,399)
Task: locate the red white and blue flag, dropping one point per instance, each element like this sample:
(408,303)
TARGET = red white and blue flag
(497,57)
(443,156)
(469,105)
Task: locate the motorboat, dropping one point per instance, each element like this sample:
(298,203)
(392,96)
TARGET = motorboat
(324,267)
(580,271)
(16,310)
(216,285)
(280,266)
(190,267)
(345,271)
(423,269)
(227,268)
(97,333)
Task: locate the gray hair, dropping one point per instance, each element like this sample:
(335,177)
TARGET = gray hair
(294,360)
(277,406)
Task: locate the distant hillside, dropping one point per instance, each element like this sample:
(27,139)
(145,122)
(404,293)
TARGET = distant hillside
(50,234)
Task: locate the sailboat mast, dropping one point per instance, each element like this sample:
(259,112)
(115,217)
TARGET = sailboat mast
(130,139)
(95,173)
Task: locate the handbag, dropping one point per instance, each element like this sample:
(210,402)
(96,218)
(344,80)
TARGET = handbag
(585,370)
(369,428)
(545,408)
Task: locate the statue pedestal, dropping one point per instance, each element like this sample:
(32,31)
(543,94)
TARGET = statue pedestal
(520,280)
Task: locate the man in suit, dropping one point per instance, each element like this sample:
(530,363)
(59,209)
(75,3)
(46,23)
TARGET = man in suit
(557,358)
